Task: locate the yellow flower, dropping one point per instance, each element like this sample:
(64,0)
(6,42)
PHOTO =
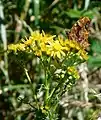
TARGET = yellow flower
(44,44)
(83,54)
(39,42)
(72,44)
(63,44)
(38,53)
(73,72)
(43,47)
(16,47)
(28,42)
(55,50)
(41,37)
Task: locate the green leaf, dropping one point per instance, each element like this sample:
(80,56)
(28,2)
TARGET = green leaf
(74,13)
(94,61)
(89,13)
(96,46)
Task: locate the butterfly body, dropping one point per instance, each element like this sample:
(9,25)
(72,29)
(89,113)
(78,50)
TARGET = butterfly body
(80,31)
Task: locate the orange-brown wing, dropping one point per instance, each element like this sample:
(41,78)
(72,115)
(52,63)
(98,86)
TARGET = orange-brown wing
(80,31)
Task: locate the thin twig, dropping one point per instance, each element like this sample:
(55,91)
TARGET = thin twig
(46,11)
(26,72)
(53,4)
(31,85)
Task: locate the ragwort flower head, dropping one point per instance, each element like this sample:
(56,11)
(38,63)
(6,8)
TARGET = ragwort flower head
(55,50)
(44,44)
(16,47)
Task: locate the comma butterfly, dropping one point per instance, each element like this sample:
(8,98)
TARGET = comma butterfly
(80,31)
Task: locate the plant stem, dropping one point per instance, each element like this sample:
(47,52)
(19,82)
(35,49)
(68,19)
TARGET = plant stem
(31,85)
(46,86)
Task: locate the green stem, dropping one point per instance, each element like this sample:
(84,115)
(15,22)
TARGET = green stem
(47,81)
(46,86)
(59,85)
(26,72)
(31,85)
(54,90)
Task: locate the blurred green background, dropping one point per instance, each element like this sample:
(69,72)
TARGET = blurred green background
(18,18)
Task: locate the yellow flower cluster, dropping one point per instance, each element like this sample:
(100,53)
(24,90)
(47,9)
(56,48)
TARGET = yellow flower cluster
(44,44)
(17,47)
(73,72)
